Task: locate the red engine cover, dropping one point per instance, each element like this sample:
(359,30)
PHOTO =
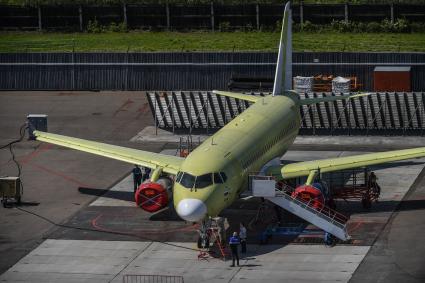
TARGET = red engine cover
(151,197)
(310,194)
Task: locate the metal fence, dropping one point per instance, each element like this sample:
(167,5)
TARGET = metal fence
(379,113)
(213,16)
(186,70)
(131,278)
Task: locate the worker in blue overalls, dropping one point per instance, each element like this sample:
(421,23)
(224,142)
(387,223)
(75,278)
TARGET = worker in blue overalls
(146,174)
(234,243)
(137,177)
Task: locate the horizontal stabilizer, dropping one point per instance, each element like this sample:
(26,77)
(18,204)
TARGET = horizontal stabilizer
(308,101)
(246,97)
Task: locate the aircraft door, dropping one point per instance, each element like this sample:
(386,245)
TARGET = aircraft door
(220,181)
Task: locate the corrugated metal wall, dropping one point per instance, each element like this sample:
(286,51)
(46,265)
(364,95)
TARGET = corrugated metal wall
(185,71)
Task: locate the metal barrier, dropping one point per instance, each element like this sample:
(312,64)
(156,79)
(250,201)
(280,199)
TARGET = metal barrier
(131,278)
(398,113)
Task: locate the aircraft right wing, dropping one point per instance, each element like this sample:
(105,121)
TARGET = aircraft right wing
(170,164)
(304,168)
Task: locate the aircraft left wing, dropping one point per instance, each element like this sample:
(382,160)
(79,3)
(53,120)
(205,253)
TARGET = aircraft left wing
(298,169)
(247,97)
(170,164)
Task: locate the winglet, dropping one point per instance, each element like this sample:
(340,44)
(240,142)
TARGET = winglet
(283,75)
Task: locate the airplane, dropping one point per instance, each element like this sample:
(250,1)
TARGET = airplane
(213,175)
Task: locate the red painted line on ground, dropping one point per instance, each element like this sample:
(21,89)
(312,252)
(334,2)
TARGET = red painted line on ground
(42,148)
(142,110)
(96,225)
(357,226)
(59,174)
(124,106)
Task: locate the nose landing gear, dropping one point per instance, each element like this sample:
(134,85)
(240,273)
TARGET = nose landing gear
(212,230)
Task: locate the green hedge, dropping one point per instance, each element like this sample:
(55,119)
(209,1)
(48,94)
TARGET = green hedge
(399,26)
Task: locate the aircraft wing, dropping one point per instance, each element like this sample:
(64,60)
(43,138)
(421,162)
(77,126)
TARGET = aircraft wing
(169,163)
(247,97)
(341,163)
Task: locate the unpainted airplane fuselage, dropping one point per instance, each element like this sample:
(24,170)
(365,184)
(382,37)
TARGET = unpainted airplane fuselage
(262,132)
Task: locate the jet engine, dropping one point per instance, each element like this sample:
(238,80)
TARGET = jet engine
(153,196)
(310,193)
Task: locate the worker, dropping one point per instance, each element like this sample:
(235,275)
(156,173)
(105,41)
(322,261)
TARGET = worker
(329,239)
(234,243)
(372,182)
(137,177)
(242,236)
(146,174)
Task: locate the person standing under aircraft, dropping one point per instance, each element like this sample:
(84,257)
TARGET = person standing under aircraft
(137,177)
(373,183)
(234,243)
(146,174)
(242,236)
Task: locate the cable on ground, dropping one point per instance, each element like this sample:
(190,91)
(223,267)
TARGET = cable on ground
(101,231)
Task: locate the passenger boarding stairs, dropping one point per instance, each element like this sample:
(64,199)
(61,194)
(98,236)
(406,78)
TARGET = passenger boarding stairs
(325,218)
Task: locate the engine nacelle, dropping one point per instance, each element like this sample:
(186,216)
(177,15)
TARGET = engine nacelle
(153,196)
(309,193)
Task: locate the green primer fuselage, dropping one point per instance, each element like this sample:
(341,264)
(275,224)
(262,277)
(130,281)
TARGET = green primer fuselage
(262,132)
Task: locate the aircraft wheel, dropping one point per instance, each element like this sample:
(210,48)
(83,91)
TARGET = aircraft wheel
(203,244)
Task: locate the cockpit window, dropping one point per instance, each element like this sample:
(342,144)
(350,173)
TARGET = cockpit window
(203,181)
(179,176)
(223,176)
(217,179)
(187,180)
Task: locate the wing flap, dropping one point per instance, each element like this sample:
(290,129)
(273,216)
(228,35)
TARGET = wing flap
(298,169)
(170,164)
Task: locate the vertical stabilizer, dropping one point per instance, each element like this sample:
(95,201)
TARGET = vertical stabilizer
(283,75)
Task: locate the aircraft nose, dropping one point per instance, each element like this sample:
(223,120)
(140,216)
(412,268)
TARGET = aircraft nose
(191,209)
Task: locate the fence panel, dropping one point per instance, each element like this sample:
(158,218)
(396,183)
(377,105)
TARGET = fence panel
(188,70)
(183,17)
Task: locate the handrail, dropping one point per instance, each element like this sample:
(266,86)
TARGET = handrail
(334,217)
(337,219)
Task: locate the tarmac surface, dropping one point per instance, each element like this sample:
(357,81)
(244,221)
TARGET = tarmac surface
(115,238)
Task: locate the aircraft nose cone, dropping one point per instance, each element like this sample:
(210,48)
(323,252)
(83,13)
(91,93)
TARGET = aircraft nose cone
(191,209)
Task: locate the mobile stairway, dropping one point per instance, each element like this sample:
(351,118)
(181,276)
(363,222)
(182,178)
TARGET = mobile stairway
(325,218)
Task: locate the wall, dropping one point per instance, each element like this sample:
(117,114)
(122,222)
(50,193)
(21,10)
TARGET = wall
(186,70)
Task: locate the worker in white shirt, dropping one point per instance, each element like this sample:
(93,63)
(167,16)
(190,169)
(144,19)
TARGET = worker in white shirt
(242,236)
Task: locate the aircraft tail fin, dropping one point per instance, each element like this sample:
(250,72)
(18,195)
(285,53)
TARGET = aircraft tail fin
(283,75)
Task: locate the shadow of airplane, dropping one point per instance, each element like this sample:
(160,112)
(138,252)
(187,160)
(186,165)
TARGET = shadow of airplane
(119,195)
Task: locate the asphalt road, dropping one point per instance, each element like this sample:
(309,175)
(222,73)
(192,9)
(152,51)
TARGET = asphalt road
(398,253)
(51,175)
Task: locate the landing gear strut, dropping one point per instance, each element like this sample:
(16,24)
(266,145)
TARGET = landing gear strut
(204,235)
